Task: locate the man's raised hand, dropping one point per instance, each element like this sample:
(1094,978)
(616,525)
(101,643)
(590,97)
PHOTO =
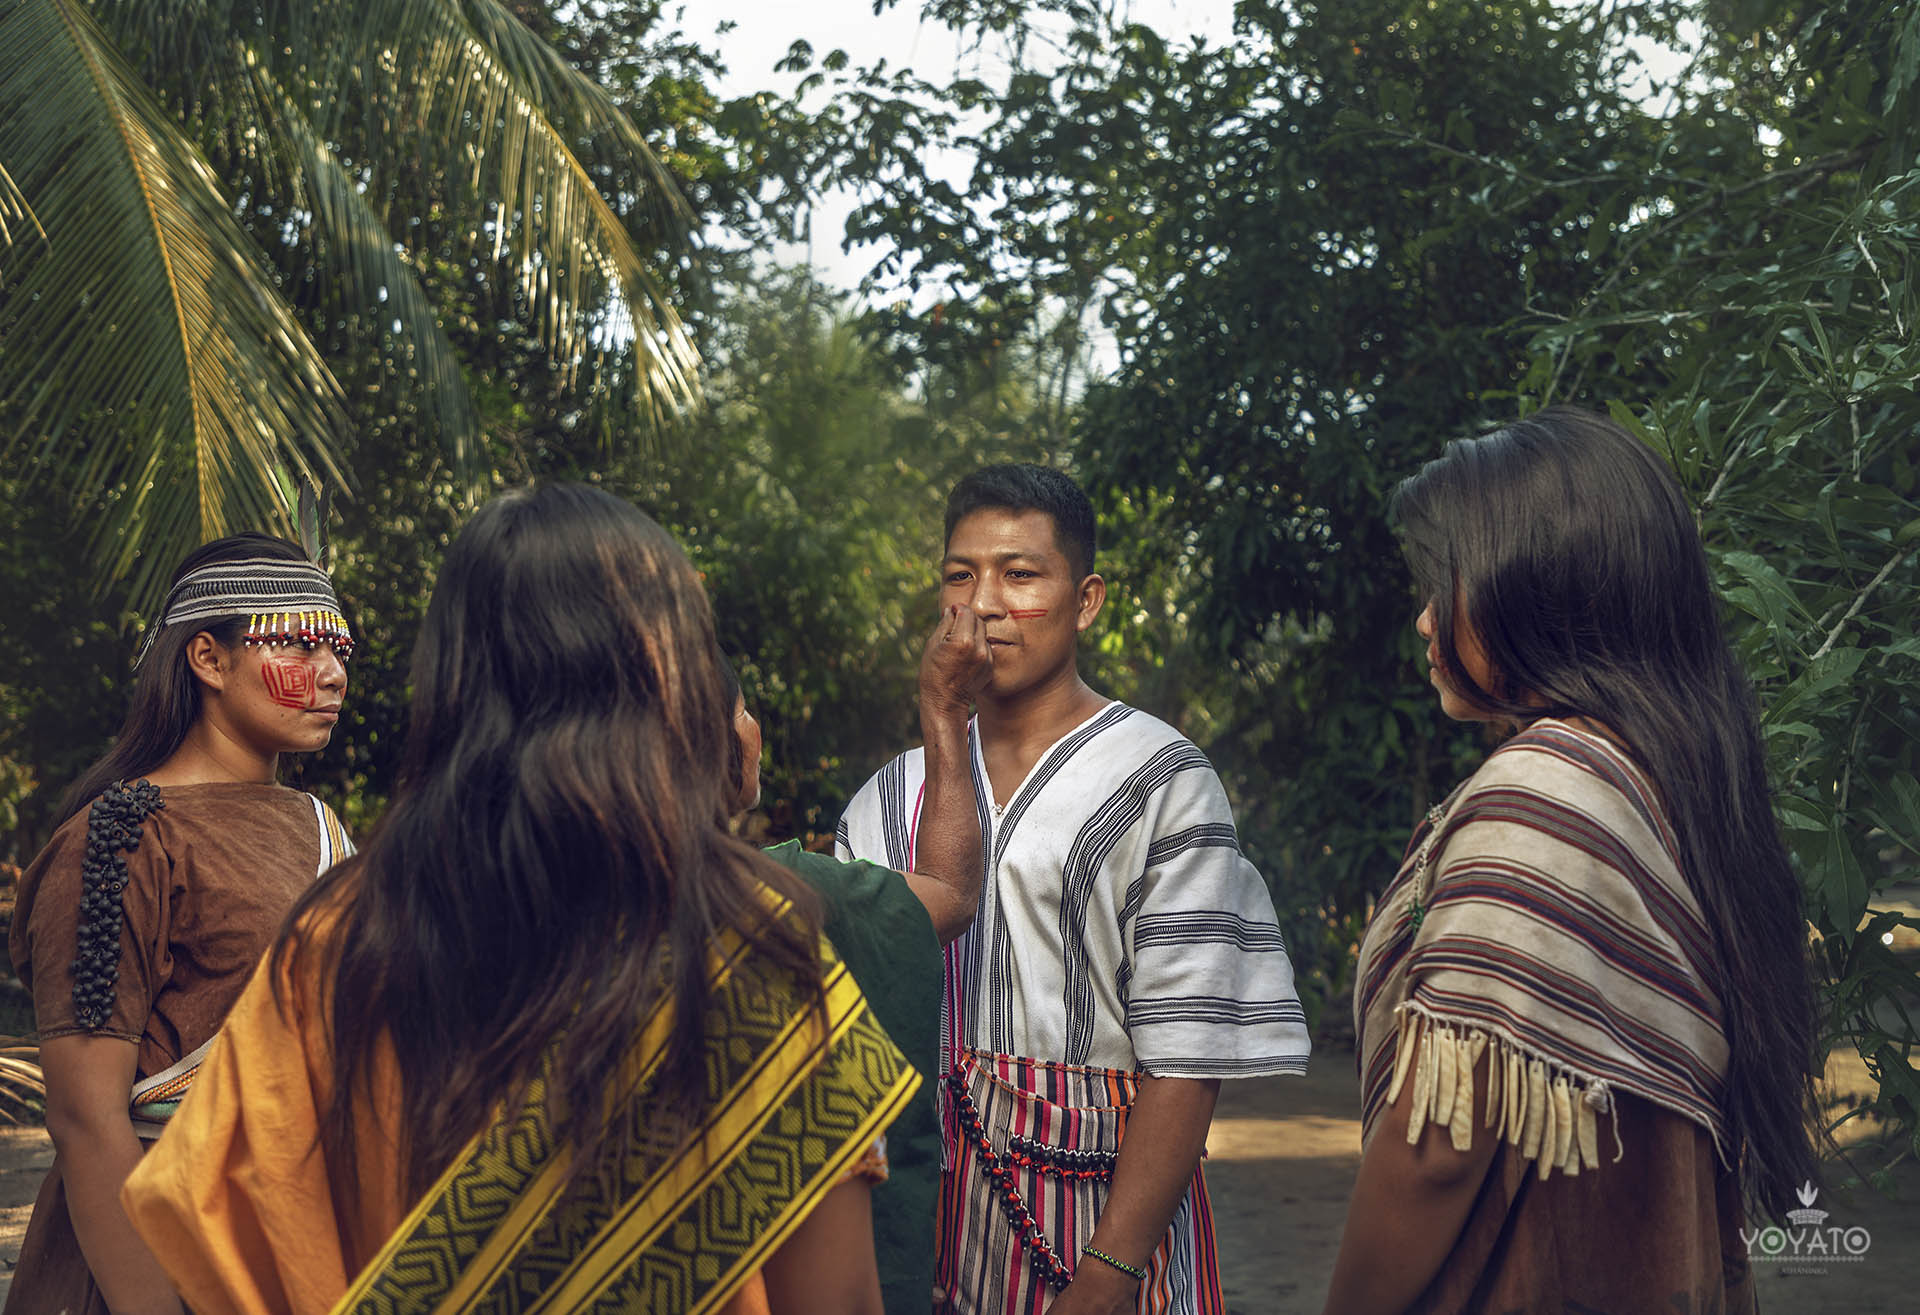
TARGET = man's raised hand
(957,664)
(946,855)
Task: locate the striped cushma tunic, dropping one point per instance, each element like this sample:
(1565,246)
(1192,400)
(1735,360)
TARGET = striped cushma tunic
(1121,933)
(1540,922)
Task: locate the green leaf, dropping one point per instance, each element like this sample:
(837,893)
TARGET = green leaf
(1799,814)
(147,348)
(1842,883)
(1820,335)
(1624,416)
(1820,677)
(1906,62)
(1898,1080)
(1897,811)
(1773,599)
(1790,730)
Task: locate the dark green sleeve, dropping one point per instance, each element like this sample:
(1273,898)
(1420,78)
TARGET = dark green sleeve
(884,936)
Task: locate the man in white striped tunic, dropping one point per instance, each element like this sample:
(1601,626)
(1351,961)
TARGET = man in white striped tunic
(1124,957)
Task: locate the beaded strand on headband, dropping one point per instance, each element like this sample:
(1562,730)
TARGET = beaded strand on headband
(307,629)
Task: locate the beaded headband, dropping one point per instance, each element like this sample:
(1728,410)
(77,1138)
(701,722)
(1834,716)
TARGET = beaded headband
(306,629)
(284,603)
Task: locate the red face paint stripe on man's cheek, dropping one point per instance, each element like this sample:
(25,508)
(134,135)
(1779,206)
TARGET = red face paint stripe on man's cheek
(289,681)
(1026,613)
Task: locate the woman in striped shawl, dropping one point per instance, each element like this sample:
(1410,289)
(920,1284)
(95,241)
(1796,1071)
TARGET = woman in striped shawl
(1584,1013)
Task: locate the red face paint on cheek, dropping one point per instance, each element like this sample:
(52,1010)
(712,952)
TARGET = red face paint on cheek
(1026,613)
(289,681)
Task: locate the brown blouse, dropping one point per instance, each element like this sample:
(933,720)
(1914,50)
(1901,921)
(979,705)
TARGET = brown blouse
(216,870)
(1657,1231)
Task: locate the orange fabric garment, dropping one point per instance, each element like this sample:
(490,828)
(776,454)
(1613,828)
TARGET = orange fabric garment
(237,1199)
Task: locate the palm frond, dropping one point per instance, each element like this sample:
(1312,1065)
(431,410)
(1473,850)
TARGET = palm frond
(15,212)
(581,108)
(148,350)
(538,170)
(478,69)
(377,282)
(462,90)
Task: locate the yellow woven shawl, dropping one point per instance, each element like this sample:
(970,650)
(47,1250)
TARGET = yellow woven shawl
(790,1110)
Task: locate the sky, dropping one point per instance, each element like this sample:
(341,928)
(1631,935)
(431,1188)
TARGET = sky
(764,29)
(767,27)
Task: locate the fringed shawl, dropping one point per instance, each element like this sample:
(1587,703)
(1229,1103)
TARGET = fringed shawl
(1540,919)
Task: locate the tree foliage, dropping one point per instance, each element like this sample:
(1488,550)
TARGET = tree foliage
(814,513)
(225,209)
(1362,230)
(1304,306)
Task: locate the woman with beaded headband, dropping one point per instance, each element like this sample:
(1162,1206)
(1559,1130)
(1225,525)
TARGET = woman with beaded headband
(1584,1006)
(176,858)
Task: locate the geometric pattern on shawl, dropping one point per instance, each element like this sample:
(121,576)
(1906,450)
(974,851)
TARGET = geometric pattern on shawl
(1559,937)
(659,1230)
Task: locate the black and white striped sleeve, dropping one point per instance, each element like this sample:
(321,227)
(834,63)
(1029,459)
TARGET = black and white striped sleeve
(1208,986)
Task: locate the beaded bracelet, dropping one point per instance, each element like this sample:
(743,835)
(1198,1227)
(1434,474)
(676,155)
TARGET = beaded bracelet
(1133,1272)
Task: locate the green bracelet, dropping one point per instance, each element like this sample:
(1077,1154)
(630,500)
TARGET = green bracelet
(1133,1272)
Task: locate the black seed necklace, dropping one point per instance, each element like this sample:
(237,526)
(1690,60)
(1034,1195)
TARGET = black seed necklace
(1055,1161)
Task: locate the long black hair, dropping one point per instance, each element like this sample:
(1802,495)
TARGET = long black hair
(166,697)
(555,860)
(1567,548)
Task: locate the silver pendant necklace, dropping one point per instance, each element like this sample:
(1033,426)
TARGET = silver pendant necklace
(1416,907)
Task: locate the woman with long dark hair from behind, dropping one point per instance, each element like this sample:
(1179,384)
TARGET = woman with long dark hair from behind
(554,1035)
(176,858)
(1584,1005)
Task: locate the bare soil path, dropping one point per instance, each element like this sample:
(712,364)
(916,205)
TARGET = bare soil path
(1281,1160)
(1282,1157)
(25,1157)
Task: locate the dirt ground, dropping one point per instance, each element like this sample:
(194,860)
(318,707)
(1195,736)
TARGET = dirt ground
(1282,1158)
(25,1154)
(1281,1161)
